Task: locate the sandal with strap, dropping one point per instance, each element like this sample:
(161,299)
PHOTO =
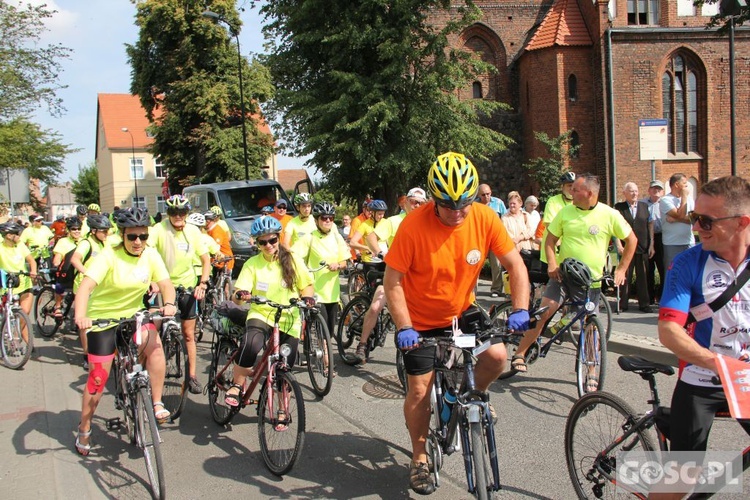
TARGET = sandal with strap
(233,400)
(592,383)
(57,312)
(420,479)
(281,421)
(518,363)
(163,415)
(83,449)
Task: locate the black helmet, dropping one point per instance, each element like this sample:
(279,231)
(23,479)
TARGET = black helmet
(575,273)
(73,222)
(323,208)
(82,210)
(99,221)
(11,227)
(567,177)
(132,217)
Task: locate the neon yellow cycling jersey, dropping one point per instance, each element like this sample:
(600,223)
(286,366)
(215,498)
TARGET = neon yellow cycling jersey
(177,249)
(330,248)
(13,259)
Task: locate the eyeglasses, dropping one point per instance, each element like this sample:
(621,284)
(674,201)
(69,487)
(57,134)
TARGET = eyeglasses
(326,217)
(269,241)
(177,213)
(706,222)
(282,207)
(485,194)
(74,229)
(449,205)
(133,237)
(416,203)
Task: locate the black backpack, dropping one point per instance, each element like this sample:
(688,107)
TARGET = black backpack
(66,273)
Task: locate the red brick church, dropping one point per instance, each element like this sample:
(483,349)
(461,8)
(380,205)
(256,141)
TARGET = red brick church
(596,68)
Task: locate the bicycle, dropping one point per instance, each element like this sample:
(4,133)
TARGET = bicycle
(462,411)
(281,408)
(601,425)
(316,347)
(591,348)
(219,289)
(15,350)
(133,397)
(349,329)
(176,376)
(356,280)
(47,323)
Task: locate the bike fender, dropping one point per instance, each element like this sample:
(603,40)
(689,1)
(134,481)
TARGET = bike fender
(474,414)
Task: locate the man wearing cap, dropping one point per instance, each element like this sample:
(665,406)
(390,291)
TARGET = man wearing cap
(485,197)
(656,262)
(37,235)
(415,198)
(676,229)
(279,213)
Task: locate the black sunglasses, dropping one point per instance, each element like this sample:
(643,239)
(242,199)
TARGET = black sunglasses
(707,222)
(177,212)
(269,241)
(326,217)
(133,237)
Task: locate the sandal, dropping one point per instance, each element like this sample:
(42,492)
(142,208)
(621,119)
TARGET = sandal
(518,363)
(57,312)
(420,479)
(280,419)
(592,383)
(83,449)
(233,400)
(162,416)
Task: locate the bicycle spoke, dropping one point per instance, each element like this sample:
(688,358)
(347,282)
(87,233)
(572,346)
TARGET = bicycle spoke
(281,423)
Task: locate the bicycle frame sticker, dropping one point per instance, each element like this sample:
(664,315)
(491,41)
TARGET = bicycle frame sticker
(648,472)
(735,379)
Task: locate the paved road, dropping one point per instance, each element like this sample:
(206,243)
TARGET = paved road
(356,443)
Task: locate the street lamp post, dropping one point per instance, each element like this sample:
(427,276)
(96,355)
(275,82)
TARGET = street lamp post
(132,166)
(214,15)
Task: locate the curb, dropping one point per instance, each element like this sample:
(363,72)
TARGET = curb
(628,344)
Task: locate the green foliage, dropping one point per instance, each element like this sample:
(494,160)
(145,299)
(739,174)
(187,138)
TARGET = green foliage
(547,171)
(86,186)
(24,144)
(28,71)
(186,72)
(368,90)
(723,20)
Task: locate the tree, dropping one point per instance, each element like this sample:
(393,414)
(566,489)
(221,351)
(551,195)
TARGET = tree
(368,89)
(26,145)
(86,185)
(29,72)
(185,70)
(546,172)
(728,10)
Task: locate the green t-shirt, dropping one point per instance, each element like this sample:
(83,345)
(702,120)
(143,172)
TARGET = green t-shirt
(177,249)
(298,228)
(317,247)
(551,209)
(121,280)
(585,234)
(13,259)
(263,278)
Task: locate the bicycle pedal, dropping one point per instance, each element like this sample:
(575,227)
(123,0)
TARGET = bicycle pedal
(114,423)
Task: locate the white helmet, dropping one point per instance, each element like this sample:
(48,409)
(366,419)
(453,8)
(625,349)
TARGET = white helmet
(196,219)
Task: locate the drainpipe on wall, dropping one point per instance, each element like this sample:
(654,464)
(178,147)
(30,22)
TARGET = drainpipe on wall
(611,118)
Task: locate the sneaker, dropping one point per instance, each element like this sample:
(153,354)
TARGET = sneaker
(361,353)
(420,479)
(194,386)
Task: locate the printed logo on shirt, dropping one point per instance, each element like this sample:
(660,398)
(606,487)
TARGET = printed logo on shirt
(141,275)
(473,257)
(717,279)
(594,230)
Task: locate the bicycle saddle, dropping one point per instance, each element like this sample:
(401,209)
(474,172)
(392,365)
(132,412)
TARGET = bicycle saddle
(643,366)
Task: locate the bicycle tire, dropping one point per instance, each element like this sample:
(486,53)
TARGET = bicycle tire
(217,390)
(128,403)
(355,283)
(349,329)
(499,318)
(592,352)
(319,355)
(149,442)
(44,306)
(401,370)
(174,394)
(16,352)
(480,459)
(605,311)
(280,454)
(594,423)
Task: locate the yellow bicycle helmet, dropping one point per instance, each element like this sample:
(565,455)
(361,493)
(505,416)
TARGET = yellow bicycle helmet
(94,208)
(453,181)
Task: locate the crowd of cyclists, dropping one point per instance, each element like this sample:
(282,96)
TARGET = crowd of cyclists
(434,249)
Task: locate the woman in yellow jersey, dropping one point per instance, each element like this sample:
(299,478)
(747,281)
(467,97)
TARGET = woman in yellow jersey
(14,257)
(87,248)
(377,211)
(327,245)
(278,275)
(113,287)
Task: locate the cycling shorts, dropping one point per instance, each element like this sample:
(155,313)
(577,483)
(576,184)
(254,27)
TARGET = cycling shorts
(104,342)
(186,304)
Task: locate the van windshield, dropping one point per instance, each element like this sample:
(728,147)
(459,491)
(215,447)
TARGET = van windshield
(248,200)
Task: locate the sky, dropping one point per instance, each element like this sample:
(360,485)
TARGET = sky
(97,32)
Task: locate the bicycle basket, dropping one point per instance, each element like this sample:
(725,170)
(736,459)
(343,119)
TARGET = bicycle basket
(536,268)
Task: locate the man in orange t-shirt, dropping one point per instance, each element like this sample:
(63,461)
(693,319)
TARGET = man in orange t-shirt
(279,213)
(432,267)
(221,237)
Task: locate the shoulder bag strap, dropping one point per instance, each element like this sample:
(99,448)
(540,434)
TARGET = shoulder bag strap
(729,292)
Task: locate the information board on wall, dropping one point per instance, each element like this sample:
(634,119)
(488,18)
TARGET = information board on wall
(653,138)
(14,185)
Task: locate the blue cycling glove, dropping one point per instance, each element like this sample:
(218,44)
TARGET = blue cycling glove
(518,320)
(407,338)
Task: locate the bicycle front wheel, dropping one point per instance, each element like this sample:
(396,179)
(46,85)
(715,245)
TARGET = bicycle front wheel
(44,313)
(596,422)
(591,357)
(218,384)
(149,442)
(349,328)
(281,423)
(15,349)
(319,355)
(480,457)
(174,394)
